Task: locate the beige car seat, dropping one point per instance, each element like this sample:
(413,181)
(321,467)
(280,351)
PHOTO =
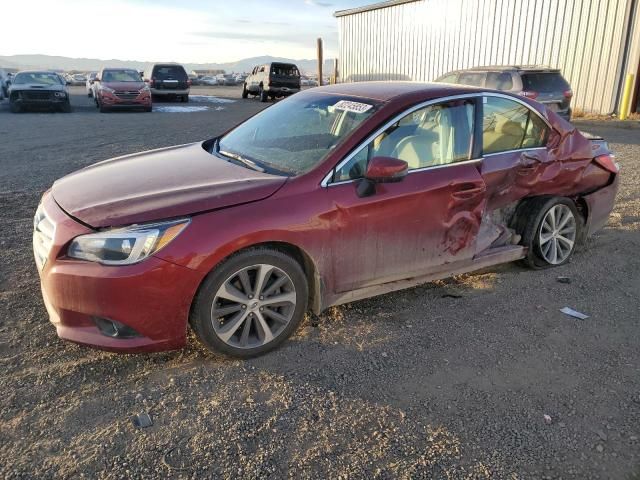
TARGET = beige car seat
(419,150)
(507,135)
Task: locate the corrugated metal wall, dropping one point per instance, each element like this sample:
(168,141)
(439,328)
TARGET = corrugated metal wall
(424,39)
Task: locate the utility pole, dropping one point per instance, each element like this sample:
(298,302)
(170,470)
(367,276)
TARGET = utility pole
(320,60)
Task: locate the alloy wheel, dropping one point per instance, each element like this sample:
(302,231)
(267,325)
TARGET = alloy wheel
(253,306)
(557,234)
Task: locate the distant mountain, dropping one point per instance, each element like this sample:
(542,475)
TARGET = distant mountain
(90,64)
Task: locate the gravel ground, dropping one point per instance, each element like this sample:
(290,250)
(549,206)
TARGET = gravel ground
(448,380)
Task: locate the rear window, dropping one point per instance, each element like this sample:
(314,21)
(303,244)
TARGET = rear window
(284,70)
(544,82)
(169,72)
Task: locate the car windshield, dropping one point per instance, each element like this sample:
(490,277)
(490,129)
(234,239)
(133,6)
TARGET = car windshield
(294,135)
(121,76)
(40,78)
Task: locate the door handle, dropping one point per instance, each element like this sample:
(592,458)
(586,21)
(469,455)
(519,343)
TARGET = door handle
(468,190)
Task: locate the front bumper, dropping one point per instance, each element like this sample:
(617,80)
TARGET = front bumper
(152,297)
(113,101)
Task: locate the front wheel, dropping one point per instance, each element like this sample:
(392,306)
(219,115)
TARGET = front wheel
(552,228)
(66,107)
(15,108)
(245,92)
(251,303)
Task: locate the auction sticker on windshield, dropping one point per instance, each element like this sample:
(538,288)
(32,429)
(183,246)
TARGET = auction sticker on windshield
(350,106)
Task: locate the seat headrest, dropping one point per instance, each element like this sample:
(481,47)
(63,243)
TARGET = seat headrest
(509,127)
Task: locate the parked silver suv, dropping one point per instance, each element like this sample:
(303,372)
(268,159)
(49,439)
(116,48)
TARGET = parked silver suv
(543,84)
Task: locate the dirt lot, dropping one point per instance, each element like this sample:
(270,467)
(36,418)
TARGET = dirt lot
(415,384)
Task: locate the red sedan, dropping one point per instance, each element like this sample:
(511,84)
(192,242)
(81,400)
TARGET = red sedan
(336,194)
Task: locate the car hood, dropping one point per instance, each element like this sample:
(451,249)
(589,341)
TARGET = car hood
(159,184)
(124,85)
(17,87)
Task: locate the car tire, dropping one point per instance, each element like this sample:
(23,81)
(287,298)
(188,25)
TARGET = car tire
(245,92)
(66,107)
(551,228)
(15,108)
(264,96)
(248,318)
(102,108)
(148,109)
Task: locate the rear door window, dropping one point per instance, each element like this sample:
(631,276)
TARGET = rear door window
(544,82)
(509,125)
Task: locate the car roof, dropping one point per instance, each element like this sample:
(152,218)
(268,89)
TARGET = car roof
(385,91)
(38,71)
(509,68)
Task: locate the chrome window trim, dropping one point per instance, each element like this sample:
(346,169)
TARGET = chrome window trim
(512,151)
(325,181)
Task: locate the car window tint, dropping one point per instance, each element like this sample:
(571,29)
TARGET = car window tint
(471,78)
(432,136)
(544,82)
(173,72)
(509,125)
(284,70)
(499,81)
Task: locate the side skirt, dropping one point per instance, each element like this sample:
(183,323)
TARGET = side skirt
(488,258)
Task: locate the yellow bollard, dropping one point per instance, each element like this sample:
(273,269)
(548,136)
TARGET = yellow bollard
(626,97)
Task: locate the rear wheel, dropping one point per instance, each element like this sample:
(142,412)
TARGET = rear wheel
(251,303)
(552,228)
(263,95)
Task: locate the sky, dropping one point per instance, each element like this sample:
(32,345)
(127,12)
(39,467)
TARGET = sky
(188,31)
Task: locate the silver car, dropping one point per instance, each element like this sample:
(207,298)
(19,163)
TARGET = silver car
(543,84)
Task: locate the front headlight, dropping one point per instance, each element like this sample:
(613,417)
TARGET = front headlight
(106,89)
(60,94)
(125,246)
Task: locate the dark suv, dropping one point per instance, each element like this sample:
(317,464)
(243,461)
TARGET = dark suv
(543,84)
(169,80)
(272,80)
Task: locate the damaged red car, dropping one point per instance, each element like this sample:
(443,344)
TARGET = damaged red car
(333,195)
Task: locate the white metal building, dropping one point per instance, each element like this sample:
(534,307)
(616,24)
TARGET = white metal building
(596,43)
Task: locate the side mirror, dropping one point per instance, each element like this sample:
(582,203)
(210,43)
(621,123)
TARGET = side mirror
(381,170)
(386,170)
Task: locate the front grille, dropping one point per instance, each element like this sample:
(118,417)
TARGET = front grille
(43,230)
(127,95)
(36,95)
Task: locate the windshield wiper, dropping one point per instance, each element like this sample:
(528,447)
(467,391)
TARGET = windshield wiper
(245,161)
